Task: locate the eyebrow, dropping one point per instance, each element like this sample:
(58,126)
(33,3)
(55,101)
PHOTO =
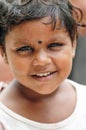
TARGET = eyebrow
(20,42)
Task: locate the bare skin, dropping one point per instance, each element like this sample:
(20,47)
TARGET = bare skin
(40,80)
(48,108)
(82,5)
(5,72)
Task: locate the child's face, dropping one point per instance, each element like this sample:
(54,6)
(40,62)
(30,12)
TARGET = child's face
(39,57)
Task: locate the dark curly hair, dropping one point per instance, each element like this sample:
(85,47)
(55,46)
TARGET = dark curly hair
(14,12)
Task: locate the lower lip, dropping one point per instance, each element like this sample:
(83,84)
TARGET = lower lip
(46,78)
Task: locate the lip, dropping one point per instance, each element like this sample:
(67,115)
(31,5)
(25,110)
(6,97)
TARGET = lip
(44,78)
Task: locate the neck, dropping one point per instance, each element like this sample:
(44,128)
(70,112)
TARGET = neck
(30,94)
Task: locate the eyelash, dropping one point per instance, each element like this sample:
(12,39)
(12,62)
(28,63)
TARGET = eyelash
(25,48)
(29,49)
(52,45)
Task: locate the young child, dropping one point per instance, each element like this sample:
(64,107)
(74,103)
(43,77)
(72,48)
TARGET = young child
(38,41)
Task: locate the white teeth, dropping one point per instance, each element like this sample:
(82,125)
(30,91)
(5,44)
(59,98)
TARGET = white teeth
(44,74)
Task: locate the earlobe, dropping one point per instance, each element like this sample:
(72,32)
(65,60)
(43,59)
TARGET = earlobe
(73,52)
(3,54)
(5,58)
(74,48)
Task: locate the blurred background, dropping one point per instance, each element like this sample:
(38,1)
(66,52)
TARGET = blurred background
(78,73)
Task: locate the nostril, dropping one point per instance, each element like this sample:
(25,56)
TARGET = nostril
(40,68)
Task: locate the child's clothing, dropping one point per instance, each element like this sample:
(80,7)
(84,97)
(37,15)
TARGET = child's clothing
(77,121)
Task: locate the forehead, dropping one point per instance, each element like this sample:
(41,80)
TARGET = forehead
(37,30)
(39,23)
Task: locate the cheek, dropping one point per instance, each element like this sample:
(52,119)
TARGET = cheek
(19,66)
(64,61)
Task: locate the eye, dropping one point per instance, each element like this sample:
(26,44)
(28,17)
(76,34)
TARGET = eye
(25,49)
(55,46)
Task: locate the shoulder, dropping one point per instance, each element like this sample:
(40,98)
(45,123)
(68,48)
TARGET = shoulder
(77,86)
(4,118)
(80,98)
(81,92)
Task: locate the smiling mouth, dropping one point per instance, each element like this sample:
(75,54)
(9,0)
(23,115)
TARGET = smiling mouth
(46,74)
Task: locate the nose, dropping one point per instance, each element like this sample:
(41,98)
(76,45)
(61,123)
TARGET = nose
(41,59)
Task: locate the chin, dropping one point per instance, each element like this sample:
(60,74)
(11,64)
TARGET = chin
(47,92)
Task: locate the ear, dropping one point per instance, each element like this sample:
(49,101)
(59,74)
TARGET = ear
(74,45)
(3,54)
